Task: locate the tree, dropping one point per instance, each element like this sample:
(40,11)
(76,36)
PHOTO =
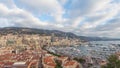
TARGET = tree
(80,60)
(113,62)
(58,64)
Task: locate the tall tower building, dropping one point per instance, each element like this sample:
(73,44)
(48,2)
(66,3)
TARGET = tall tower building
(52,37)
(66,37)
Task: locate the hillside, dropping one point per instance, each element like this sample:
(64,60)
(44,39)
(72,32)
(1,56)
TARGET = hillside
(21,30)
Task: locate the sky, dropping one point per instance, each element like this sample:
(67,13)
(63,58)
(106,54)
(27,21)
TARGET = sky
(81,17)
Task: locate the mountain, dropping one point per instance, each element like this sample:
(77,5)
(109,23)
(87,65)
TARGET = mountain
(98,38)
(22,30)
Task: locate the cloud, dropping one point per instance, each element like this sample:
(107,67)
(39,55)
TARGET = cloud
(51,7)
(91,15)
(63,2)
(86,7)
(21,18)
(82,17)
(16,15)
(88,10)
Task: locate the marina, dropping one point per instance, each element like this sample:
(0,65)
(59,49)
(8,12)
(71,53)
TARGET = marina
(95,49)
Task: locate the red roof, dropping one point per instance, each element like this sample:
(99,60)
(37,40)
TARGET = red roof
(34,63)
(49,61)
(69,63)
(1,63)
(8,63)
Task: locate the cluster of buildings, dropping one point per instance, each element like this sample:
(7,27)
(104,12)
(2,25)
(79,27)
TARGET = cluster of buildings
(33,59)
(25,51)
(11,59)
(50,61)
(94,53)
(24,39)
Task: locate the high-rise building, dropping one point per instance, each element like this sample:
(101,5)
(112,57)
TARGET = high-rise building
(52,37)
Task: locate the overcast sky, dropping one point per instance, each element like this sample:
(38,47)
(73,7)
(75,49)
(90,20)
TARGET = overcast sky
(82,17)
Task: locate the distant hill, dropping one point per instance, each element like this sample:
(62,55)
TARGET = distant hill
(98,38)
(21,30)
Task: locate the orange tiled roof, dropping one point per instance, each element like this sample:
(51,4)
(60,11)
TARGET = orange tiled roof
(49,61)
(1,63)
(18,57)
(8,63)
(62,57)
(69,63)
(34,63)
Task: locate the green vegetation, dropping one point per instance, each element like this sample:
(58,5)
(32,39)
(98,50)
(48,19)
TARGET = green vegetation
(113,62)
(44,48)
(58,64)
(80,60)
(10,42)
(54,54)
